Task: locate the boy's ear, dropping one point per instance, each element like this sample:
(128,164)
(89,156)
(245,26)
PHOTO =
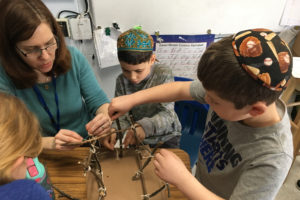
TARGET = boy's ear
(152,59)
(258,108)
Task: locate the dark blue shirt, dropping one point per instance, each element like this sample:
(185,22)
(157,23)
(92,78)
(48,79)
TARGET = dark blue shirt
(23,190)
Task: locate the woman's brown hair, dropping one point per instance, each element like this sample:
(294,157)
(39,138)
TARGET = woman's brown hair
(18,21)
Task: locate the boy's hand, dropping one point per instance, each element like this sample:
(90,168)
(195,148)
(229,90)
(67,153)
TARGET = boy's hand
(63,137)
(110,141)
(99,125)
(130,138)
(170,168)
(119,106)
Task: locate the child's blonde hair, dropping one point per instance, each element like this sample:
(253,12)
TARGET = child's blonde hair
(19,134)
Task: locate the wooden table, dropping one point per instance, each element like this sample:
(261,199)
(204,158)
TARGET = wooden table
(66,174)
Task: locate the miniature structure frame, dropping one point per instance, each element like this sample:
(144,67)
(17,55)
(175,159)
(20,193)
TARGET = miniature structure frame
(140,154)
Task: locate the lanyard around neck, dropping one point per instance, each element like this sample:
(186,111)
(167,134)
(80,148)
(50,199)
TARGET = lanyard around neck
(44,104)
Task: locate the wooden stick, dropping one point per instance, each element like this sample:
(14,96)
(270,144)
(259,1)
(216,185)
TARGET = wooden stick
(97,137)
(293,104)
(139,162)
(120,137)
(140,171)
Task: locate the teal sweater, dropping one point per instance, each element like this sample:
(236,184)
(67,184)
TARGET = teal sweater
(79,96)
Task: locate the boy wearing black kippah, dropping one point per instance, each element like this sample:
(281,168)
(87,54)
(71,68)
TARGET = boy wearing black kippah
(246,149)
(156,122)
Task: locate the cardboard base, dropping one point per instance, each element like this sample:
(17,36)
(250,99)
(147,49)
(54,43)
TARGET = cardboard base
(117,177)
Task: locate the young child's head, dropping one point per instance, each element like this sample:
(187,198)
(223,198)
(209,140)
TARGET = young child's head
(19,138)
(251,66)
(135,54)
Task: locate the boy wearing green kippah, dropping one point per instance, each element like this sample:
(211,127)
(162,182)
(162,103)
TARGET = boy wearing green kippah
(157,122)
(246,149)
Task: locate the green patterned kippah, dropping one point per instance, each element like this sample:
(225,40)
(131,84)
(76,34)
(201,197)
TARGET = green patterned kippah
(135,40)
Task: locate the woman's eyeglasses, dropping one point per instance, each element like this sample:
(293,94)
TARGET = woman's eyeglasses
(37,52)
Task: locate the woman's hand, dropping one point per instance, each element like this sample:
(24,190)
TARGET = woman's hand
(170,168)
(99,125)
(64,137)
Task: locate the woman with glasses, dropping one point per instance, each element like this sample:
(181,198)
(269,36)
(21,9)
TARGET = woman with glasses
(55,81)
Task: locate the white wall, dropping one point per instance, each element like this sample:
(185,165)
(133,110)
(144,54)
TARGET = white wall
(170,17)
(189,16)
(57,5)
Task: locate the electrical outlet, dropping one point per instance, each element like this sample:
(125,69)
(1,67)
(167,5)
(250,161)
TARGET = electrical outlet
(80,28)
(64,25)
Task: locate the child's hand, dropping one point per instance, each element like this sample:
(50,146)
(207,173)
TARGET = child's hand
(170,168)
(119,106)
(63,137)
(130,139)
(110,141)
(99,125)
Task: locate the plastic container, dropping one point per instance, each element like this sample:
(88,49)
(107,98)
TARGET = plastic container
(36,171)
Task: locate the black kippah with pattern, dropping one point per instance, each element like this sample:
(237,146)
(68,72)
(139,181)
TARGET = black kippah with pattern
(264,56)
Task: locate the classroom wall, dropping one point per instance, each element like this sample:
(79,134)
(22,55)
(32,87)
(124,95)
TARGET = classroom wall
(106,77)
(170,17)
(189,16)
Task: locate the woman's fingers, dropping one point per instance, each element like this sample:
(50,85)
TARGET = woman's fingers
(100,124)
(64,137)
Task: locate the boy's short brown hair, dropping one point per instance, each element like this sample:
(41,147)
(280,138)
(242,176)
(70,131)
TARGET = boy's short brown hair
(220,71)
(134,57)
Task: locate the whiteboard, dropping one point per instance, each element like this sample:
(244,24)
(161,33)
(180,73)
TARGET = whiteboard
(189,16)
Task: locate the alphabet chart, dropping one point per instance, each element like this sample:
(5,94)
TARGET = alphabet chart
(181,52)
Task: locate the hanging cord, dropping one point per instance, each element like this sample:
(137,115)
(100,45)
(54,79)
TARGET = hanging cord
(63,194)
(88,13)
(76,14)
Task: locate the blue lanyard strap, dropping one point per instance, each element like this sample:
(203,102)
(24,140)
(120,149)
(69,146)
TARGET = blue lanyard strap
(42,101)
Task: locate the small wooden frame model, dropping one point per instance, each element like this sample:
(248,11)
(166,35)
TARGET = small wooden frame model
(123,173)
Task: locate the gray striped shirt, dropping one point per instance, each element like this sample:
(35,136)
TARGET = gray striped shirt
(159,120)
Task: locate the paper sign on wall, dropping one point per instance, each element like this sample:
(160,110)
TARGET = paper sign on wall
(181,52)
(106,47)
